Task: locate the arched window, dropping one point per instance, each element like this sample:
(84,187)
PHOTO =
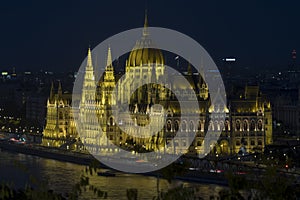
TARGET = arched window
(252,125)
(245,125)
(61,116)
(191,126)
(217,127)
(176,126)
(238,125)
(183,126)
(226,125)
(259,125)
(111,121)
(169,125)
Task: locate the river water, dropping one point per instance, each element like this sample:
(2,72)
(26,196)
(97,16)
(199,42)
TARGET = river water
(20,169)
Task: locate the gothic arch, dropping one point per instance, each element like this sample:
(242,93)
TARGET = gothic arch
(217,126)
(221,124)
(169,125)
(184,125)
(111,121)
(227,125)
(199,125)
(245,125)
(192,126)
(176,125)
(260,125)
(238,125)
(252,125)
(61,115)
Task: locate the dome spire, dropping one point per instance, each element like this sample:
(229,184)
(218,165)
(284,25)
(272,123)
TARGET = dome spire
(109,60)
(145,30)
(89,58)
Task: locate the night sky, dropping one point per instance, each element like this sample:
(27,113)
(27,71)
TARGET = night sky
(54,35)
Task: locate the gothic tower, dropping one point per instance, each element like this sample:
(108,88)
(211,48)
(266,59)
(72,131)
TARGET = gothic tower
(60,127)
(107,100)
(87,111)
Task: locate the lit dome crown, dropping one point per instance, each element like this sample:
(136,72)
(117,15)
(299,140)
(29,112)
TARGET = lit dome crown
(143,52)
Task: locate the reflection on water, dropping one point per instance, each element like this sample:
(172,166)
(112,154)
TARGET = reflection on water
(21,169)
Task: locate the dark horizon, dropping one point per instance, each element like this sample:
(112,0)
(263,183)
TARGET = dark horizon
(55,35)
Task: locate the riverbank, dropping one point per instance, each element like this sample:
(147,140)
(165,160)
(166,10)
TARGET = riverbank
(51,153)
(87,159)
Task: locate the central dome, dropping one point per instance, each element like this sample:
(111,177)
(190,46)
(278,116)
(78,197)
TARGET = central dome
(144,52)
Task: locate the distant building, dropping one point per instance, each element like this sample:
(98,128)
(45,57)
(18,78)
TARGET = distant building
(60,127)
(251,119)
(287,110)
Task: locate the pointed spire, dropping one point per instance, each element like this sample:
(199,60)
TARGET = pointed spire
(89,58)
(145,30)
(146,19)
(109,59)
(109,70)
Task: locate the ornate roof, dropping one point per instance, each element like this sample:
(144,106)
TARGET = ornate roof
(144,52)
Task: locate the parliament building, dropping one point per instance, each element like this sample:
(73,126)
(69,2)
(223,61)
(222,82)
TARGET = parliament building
(247,126)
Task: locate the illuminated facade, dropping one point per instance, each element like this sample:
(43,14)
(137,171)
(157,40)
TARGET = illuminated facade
(251,120)
(60,126)
(248,124)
